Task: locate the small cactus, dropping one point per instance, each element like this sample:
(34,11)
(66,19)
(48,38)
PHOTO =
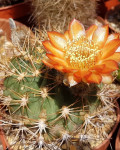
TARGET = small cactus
(56,14)
(43,109)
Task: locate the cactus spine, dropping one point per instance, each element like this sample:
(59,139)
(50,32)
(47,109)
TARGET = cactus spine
(42,113)
(56,14)
(38,110)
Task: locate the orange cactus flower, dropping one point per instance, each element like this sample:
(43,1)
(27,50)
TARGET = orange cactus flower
(89,56)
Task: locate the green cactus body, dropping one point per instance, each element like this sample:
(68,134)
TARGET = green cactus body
(46,105)
(40,112)
(25,89)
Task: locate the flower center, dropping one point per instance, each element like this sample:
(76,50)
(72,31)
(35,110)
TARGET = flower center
(81,53)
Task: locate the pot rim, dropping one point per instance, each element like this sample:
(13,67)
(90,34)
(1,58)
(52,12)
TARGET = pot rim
(12,6)
(19,24)
(111,3)
(3,139)
(117,142)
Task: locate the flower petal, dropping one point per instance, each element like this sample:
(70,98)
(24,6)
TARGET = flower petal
(109,66)
(58,40)
(59,68)
(66,34)
(76,29)
(115,56)
(57,60)
(48,63)
(52,49)
(100,36)
(112,36)
(110,48)
(93,78)
(107,79)
(82,73)
(70,80)
(98,68)
(118,49)
(90,31)
(53,64)
(67,70)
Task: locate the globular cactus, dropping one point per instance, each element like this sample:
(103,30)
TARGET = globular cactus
(57,108)
(56,14)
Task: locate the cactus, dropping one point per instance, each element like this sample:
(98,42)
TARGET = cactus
(56,108)
(56,14)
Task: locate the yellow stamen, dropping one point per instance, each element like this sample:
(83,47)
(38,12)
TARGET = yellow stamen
(81,53)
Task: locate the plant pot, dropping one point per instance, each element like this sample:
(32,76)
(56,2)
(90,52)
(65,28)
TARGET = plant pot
(3,140)
(111,3)
(102,146)
(117,142)
(4,25)
(15,11)
(112,18)
(105,5)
